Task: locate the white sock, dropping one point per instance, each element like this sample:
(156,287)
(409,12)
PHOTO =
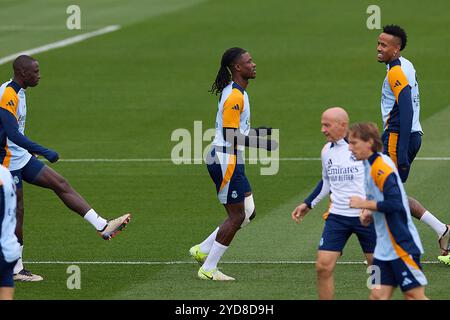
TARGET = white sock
(206,245)
(19,264)
(214,256)
(434,223)
(98,222)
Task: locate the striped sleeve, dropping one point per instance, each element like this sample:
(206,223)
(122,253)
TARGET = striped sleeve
(385,179)
(232,109)
(9,101)
(400,87)
(392,196)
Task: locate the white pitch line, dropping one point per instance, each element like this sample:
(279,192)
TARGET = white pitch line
(193,262)
(201,160)
(118,160)
(61,43)
(178,160)
(433,158)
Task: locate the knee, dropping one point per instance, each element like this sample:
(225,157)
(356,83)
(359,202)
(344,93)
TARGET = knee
(324,269)
(417,210)
(409,296)
(418,294)
(376,296)
(238,219)
(379,294)
(373,296)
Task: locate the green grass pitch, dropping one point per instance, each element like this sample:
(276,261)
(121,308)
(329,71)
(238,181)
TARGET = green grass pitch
(121,95)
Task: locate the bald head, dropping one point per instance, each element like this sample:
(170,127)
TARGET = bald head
(26,71)
(337,114)
(335,122)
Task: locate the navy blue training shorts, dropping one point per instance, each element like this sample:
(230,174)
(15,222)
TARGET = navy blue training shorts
(338,230)
(28,173)
(405,272)
(390,148)
(6,273)
(228,174)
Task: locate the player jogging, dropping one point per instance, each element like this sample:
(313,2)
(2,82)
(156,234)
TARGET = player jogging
(225,162)
(400,109)
(343,176)
(398,248)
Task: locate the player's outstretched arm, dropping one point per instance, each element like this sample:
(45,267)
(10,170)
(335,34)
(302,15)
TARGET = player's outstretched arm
(260,131)
(11,127)
(235,137)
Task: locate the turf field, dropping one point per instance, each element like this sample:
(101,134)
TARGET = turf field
(121,95)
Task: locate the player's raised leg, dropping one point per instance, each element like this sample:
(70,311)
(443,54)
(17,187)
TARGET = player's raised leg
(444,259)
(107,229)
(441,229)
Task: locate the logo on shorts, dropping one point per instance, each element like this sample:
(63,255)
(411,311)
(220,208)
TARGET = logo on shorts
(321,242)
(406,281)
(16,179)
(234,194)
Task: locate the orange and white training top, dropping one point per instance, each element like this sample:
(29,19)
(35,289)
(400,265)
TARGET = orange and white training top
(233,112)
(12,99)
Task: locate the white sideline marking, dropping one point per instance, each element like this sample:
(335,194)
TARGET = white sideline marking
(197,160)
(61,43)
(193,262)
(433,158)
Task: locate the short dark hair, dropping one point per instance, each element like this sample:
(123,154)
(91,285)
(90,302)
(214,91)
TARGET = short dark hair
(396,31)
(366,131)
(21,62)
